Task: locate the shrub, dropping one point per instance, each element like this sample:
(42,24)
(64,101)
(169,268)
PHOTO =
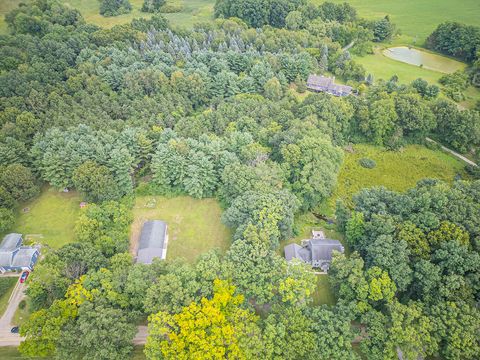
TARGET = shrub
(171,8)
(7,219)
(114,7)
(152,6)
(367,163)
(22,304)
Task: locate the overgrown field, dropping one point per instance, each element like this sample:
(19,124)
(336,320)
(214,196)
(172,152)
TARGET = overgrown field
(194,225)
(6,286)
(396,170)
(50,218)
(417,18)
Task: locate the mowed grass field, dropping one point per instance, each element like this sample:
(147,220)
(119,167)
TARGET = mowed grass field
(50,218)
(194,225)
(6,287)
(396,170)
(417,18)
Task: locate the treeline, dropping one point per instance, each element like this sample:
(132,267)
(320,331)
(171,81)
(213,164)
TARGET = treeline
(463,42)
(426,242)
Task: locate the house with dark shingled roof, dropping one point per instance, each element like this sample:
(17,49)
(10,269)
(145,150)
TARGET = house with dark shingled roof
(316,251)
(321,83)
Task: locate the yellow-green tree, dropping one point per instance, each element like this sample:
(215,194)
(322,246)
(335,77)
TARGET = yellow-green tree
(216,328)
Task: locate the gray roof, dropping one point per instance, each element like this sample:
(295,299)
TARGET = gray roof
(321,249)
(291,251)
(314,250)
(11,242)
(152,241)
(318,80)
(6,258)
(23,257)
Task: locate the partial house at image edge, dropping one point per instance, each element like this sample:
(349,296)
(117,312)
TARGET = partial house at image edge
(153,242)
(14,256)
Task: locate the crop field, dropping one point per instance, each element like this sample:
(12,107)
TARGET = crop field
(194,225)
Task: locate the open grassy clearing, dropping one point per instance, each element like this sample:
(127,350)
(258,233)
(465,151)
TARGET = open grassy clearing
(192,11)
(396,170)
(323,294)
(50,218)
(194,225)
(6,287)
(417,17)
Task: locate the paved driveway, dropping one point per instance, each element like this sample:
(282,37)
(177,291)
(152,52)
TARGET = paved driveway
(6,337)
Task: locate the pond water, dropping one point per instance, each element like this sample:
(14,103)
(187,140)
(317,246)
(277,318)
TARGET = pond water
(422,58)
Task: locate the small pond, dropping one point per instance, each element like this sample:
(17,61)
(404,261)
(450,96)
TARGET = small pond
(422,58)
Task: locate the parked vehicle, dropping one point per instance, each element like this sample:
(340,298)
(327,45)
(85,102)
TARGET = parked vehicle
(15,330)
(24,277)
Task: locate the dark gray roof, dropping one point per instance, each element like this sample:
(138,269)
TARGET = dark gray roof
(11,242)
(314,250)
(321,249)
(152,241)
(318,80)
(291,251)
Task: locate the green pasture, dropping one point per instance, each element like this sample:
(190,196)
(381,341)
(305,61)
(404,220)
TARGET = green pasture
(417,18)
(194,225)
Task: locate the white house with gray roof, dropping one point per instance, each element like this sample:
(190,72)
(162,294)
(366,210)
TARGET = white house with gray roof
(14,256)
(316,251)
(153,242)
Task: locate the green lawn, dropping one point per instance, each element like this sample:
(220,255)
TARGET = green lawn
(194,225)
(417,18)
(323,294)
(383,67)
(50,219)
(6,287)
(396,170)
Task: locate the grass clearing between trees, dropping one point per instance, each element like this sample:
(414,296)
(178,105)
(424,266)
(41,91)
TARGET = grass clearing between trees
(192,11)
(194,225)
(396,170)
(6,287)
(50,218)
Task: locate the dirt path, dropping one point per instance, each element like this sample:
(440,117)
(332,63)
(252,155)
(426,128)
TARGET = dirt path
(141,336)
(6,337)
(454,153)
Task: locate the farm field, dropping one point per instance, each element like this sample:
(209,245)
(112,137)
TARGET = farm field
(396,170)
(417,18)
(6,287)
(50,218)
(194,225)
